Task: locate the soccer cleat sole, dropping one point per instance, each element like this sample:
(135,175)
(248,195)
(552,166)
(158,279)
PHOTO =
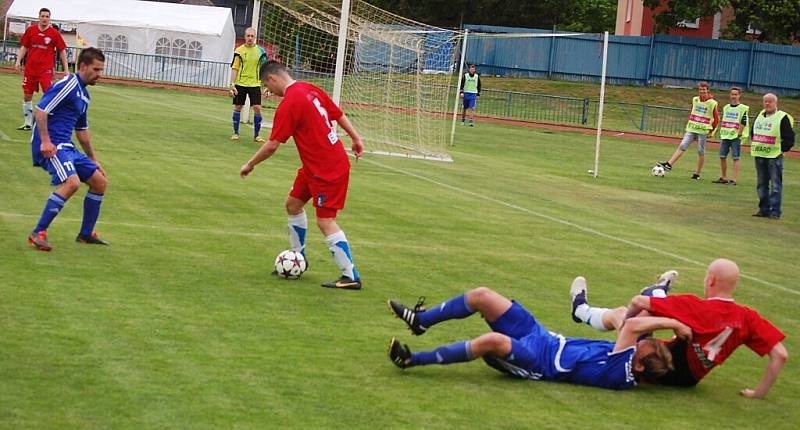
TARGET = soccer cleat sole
(396,358)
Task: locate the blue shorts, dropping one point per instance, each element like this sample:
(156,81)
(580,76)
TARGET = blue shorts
(533,348)
(68,161)
(725,145)
(470,100)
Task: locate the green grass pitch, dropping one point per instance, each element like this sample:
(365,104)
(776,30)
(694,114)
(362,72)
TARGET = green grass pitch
(179,325)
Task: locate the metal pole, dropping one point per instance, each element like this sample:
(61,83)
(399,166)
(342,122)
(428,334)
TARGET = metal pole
(458,87)
(596,170)
(341,51)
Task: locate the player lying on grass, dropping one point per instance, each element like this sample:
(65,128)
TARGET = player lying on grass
(719,325)
(519,346)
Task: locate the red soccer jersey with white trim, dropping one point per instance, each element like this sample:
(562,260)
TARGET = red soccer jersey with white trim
(41,57)
(307,114)
(718,326)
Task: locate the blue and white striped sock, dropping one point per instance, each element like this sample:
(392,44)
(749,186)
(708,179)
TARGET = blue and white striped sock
(340,248)
(298,225)
(91,211)
(52,208)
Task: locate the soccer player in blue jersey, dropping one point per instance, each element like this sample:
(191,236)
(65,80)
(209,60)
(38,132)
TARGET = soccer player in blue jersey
(64,109)
(519,346)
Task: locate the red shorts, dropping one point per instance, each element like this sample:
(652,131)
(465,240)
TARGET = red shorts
(31,83)
(328,196)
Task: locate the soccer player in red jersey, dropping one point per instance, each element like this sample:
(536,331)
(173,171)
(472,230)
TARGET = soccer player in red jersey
(36,49)
(719,325)
(307,114)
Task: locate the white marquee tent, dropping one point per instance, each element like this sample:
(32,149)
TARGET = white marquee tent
(135,34)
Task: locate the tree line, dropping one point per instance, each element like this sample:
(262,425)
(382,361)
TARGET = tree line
(775,21)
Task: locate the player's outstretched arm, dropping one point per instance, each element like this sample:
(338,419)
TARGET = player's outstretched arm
(267,149)
(635,327)
(777,358)
(358,147)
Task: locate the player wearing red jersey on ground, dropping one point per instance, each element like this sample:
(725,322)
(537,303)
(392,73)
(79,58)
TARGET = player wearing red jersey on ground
(719,325)
(307,114)
(37,45)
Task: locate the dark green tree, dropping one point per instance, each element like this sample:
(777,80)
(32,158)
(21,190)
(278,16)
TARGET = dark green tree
(778,21)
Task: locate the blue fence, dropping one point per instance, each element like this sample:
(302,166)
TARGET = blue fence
(635,60)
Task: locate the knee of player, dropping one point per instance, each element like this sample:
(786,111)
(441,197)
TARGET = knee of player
(98,182)
(478,296)
(494,343)
(71,185)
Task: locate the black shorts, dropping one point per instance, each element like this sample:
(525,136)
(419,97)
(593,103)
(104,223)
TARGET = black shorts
(681,375)
(243,92)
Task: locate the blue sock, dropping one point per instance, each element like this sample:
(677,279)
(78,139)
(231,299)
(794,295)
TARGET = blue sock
(446,354)
(257,124)
(454,308)
(236,117)
(51,209)
(91,211)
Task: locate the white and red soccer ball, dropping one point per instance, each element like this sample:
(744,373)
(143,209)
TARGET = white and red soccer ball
(290,264)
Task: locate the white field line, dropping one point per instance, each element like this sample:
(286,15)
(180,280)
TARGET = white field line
(587,230)
(578,227)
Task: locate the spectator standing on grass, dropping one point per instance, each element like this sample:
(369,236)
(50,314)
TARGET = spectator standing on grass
(36,48)
(772,135)
(470,91)
(703,119)
(733,126)
(245,81)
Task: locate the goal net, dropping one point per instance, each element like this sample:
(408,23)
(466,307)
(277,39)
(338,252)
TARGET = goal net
(398,76)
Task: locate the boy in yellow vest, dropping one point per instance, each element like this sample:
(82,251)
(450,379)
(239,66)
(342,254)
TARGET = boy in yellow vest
(703,119)
(772,135)
(732,129)
(470,91)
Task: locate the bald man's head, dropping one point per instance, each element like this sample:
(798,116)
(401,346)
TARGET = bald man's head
(722,277)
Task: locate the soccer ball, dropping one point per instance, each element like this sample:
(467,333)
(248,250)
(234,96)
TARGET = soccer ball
(658,171)
(290,264)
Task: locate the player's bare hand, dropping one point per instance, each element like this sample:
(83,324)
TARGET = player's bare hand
(358,148)
(100,168)
(233,92)
(47,149)
(245,170)
(750,394)
(17,67)
(461,95)
(684,332)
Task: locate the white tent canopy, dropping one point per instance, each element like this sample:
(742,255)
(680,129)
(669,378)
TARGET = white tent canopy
(141,27)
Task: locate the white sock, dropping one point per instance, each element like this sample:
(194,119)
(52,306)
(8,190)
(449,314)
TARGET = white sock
(658,292)
(340,248)
(591,316)
(298,225)
(27,112)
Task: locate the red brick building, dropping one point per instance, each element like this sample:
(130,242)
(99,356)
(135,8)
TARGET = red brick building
(634,19)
